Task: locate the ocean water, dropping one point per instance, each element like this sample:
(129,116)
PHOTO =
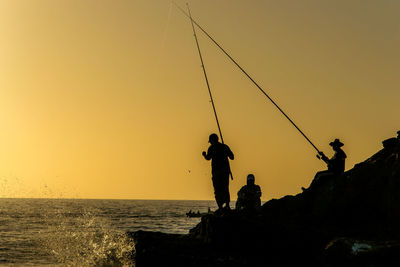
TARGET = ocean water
(82,232)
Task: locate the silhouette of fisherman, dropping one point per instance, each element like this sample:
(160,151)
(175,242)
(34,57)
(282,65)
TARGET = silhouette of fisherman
(249,196)
(218,154)
(335,164)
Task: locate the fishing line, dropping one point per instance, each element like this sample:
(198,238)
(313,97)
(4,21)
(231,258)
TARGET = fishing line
(160,57)
(166,26)
(248,76)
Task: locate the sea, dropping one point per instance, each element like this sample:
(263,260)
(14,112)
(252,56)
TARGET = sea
(85,232)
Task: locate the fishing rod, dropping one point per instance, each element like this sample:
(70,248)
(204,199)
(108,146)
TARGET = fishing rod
(248,76)
(205,76)
(208,84)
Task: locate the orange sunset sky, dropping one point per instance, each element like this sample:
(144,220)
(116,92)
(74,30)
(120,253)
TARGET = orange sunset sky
(107,99)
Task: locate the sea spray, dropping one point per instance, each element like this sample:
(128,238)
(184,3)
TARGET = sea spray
(83,232)
(85,240)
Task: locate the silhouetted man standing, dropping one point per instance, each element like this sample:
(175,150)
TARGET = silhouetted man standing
(335,164)
(219,154)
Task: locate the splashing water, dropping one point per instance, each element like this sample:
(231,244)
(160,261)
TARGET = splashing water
(84,232)
(86,240)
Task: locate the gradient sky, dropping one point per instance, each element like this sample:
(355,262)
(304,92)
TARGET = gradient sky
(106,99)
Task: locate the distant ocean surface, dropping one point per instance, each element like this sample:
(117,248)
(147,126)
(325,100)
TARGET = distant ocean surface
(79,232)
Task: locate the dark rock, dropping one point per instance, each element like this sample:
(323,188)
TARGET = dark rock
(160,249)
(353,252)
(361,204)
(390,143)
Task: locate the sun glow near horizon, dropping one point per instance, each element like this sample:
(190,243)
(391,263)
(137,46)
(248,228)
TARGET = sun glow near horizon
(104,99)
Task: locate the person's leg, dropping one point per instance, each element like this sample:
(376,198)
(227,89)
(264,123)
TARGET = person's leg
(226,190)
(217,192)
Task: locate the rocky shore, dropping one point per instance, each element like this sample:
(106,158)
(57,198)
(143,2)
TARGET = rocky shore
(351,220)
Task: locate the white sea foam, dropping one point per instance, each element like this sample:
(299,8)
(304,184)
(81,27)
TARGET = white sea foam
(358,248)
(86,240)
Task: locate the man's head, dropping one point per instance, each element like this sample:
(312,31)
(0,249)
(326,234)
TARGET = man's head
(213,139)
(336,144)
(250,179)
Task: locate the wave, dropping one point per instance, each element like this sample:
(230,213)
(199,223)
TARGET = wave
(86,240)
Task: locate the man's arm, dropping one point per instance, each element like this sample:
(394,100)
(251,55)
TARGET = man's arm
(230,154)
(207,155)
(240,192)
(258,191)
(323,157)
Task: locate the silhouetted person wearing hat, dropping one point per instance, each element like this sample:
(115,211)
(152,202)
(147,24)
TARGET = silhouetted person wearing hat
(249,196)
(218,154)
(335,164)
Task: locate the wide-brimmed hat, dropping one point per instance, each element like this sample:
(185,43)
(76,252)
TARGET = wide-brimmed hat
(336,143)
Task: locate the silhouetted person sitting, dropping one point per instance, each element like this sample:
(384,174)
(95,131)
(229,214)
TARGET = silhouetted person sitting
(219,154)
(335,164)
(249,196)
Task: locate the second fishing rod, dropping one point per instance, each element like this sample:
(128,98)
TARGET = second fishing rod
(250,78)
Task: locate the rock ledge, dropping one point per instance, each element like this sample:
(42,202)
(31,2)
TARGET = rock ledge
(351,220)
